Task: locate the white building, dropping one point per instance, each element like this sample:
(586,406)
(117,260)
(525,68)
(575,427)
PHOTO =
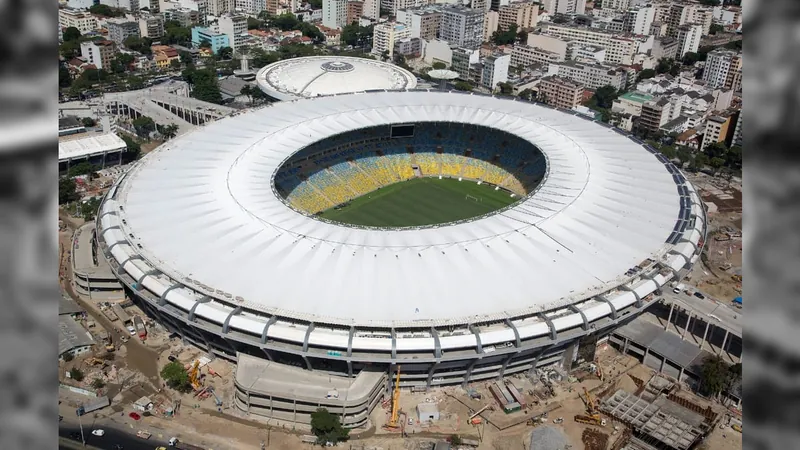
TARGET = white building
(689,36)
(592,54)
(719,67)
(84,22)
(565,6)
(640,20)
(495,70)
(462,27)
(384,36)
(372,9)
(490,24)
(99,53)
(235,27)
(334,13)
(151,26)
(593,76)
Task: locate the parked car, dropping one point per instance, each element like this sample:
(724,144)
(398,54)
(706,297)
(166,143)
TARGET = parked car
(172,358)
(134,416)
(98,432)
(131,330)
(699,295)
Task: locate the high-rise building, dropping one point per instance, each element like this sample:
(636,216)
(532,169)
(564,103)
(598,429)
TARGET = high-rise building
(255,6)
(99,53)
(218,7)
(354,10)
(392,6)
(526,55)
(235,27)
(491,23)
(665,47)
(334,13)
(682,13)
(593,76)
(372,9)
(688,37)
(560,92)
(151,26)
(723,69)
(424,22)
(495,70)
(639,20)
(737,132)
(84,22)
(618,5)
(462,61)
(524,15)
(462,27)
(717,130)
(384,36)
(619,49)
(121,29)
(216,39)
(564,6)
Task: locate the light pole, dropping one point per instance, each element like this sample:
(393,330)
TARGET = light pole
(79,412)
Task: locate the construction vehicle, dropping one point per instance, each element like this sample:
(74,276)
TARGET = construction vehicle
(558,420)
(92,361)
(598,370)
(216,398)
(472,418)
(194,375)
(593,415)
(394,419)
(174,442)
(108,342)
(737,427)
(143,434)
(737,278)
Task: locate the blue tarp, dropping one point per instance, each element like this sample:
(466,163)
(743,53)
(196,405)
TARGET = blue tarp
(738,300)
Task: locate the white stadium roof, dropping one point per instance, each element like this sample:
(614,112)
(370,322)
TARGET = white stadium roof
(90,146)
(202,210)
(328,75)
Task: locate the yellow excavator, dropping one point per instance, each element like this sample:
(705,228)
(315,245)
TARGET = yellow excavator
(394,423)
(593,416)
(194,374)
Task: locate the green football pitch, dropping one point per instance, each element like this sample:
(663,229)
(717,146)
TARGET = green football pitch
(421,201)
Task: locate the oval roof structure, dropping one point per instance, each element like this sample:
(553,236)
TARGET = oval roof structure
(202,211)
(316,76)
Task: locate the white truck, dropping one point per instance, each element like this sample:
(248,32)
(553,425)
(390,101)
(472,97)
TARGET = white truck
(679,288)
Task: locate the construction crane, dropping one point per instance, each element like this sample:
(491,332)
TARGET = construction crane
(476,414)
(593,417)
(393,421)
(194,374)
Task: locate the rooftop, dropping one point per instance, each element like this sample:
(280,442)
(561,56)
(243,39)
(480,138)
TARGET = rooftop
(638,97)
(71,335)
(88,146)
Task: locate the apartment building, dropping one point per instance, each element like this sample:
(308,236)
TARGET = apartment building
(717,130)
(216,7)
(688,37)
(235,27)
(655,113)
(334,13)
(524,15)
(631,103)
(564,6)
(560,92)
(99,53)
(495,70)
(121,29)
(462,61)
(619,50)
(549,43)
(423,22)
(393,6)
(491,23)
(371,9)
(411,47)
(184,16)
(354,11)
(526,55)
(592,54)
(252,6)
(84,22)
(680,14)
(151,26)
(384,36)
(639,20)
(592,76)
(462,27)
(617,5)
(723,69)
(216,39)
(665,47)
(737,132)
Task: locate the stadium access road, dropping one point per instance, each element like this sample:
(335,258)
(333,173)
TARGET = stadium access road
(728,317)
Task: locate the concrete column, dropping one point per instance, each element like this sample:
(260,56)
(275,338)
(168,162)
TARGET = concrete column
(669,317)
(705,333)
(688,320)
(724,341)
(680,374)
(625,346)
(663,362)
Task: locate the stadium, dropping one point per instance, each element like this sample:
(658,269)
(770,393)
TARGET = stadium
(315,76)
(292,247)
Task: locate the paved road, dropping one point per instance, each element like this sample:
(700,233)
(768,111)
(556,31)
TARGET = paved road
(729,317)
(110,441)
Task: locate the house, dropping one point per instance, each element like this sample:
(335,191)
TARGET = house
(144,404)
(73,339)
(163,55)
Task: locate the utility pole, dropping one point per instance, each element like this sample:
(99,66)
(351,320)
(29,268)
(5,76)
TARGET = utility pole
(79,412)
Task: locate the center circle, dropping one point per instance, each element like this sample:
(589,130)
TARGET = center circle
(337,66)
(424,174)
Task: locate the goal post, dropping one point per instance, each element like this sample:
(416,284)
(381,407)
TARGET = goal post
(474,198)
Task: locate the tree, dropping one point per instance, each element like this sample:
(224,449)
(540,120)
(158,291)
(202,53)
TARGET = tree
(253,23)
(439,65)
(88,209)
(684,155)
(690,58)
(105,10)
(82,168)
(526,94)
(225,53)
(67,190)
(327,428)
(68,357)
(88,122)
(64,77)
(168,131)
(700,160)
(507,36)
(716,28)
(505,88)
(186,57)
(714,375)
(144,126)
(133,149)
(176,34)
(286,21)
(176,377)
(261,58)
(669,151)
(604,97)
(716,163)
(76,374)
(356,35)
(205,86)
(734,158)
(134,82)
(716,150)
(70,49)
(462,86)
(455,440)
(71,34)
(138,44)
(122,62)
(97,383)
(646,73)
(247,91)
(205,43)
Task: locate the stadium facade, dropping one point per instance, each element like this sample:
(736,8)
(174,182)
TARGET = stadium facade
(315,76)
(208,244)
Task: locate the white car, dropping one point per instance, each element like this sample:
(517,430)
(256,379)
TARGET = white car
(98,432)
(132,331)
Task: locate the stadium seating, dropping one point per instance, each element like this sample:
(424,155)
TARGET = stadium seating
(344,167)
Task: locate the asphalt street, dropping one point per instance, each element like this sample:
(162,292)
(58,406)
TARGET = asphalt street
(112,440)
(727,316)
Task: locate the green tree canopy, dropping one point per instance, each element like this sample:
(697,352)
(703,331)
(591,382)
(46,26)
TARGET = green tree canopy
(168,131)
(327,428)
(133,150)
(439,65)
(505,88)
(356,35)
(714,375)
(604,96)
(174,33)
(462,86)
(526,94)
(76,374)
(507,36)
(64,77)
(144,126)
(225,53)
(67,190)
(71,34)
(106,11)
(88,122)
(205,86)
(176,377)
(646,73)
